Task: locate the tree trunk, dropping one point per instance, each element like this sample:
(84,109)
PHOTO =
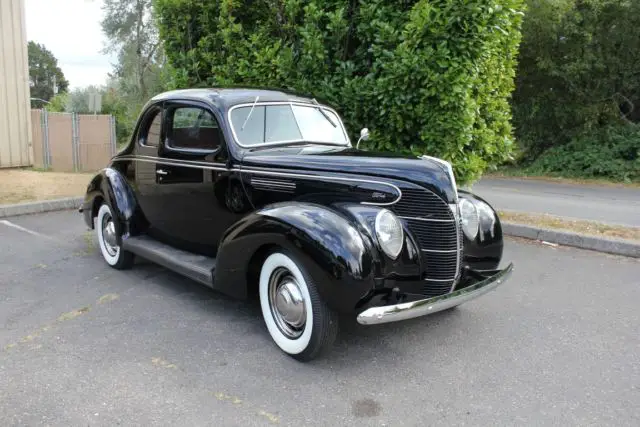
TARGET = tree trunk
(141,67)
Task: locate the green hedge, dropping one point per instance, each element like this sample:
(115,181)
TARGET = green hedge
(428,77)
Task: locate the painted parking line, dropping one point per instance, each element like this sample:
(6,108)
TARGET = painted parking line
(25,230)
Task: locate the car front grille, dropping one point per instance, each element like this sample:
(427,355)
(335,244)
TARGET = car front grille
(438,232)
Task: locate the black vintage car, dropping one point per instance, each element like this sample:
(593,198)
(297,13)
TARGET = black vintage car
(262,192)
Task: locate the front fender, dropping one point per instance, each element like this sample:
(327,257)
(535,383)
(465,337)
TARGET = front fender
(336,254)
(485,251)
(111,186)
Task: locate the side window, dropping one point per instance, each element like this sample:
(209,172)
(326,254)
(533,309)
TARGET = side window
(193,128)
(154,129)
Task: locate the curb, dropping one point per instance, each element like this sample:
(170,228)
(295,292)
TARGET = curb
(39,207)
(601,244)
(566,238)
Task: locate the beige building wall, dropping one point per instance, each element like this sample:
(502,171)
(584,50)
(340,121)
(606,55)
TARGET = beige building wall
(15,111)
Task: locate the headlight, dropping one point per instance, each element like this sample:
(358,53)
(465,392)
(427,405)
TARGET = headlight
(470,219)
(389,232)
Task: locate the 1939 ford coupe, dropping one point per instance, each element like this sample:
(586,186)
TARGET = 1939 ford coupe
(262,192)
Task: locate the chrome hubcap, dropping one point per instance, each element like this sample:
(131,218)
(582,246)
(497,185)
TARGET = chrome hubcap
(109,235)
(287,303)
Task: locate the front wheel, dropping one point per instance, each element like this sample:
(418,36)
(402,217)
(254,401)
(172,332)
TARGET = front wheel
(299,322)
(112,253)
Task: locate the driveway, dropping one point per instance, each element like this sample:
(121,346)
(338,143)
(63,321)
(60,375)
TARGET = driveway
(85,345)
(606,204)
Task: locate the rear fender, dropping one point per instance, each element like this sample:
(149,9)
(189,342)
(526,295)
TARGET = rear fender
(112,187)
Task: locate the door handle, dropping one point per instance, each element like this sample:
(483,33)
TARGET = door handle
(162,172)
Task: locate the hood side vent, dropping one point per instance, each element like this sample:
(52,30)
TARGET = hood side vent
(268,184)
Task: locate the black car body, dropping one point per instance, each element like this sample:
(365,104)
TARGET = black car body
(214,181)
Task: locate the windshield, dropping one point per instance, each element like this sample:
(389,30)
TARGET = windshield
(286,123)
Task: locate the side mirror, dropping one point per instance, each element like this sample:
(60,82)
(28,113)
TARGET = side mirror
(364,135)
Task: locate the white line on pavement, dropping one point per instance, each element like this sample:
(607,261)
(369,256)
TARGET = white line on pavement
(26,230)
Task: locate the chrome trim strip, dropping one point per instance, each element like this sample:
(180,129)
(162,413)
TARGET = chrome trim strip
(428,219)
(448,168)
(408,310)
(222,167)
(170,162)
(304,104)
(439,280)
(439,251)
(191,162)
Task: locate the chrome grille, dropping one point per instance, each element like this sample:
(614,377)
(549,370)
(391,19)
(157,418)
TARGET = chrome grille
(434,235)
(437,230)
(422,204)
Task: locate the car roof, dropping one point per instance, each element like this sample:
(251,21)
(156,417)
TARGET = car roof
(228,97)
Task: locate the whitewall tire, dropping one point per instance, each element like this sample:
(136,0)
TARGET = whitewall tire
(111,251)
(299,322)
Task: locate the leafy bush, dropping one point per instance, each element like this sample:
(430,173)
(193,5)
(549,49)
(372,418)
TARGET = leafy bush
(612,153)
(428,76)
(58,103)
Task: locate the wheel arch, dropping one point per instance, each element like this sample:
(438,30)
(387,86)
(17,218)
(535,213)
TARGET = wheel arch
(98,199)
(255,264)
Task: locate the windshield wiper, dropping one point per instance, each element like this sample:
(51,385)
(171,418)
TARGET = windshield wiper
(324,113)
(251,111)
(295,144)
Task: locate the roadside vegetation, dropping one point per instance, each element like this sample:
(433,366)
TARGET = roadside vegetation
(576,105)
(530,87)
(426,77)
(611,153)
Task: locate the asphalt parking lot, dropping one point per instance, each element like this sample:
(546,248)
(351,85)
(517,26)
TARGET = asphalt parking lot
(83,344)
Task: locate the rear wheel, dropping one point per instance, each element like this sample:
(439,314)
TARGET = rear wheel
(106,230)
(299,322)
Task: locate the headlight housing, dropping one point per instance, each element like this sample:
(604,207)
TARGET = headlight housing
(470,218)
(389,232)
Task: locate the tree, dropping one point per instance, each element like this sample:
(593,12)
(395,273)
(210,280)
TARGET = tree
(426,76)
(59,103)
(77,101)
(131,30)
(578,71)
(45,77)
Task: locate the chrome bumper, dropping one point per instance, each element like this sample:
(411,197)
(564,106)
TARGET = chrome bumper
(409,310)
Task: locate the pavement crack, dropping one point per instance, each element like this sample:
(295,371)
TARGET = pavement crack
(64,317)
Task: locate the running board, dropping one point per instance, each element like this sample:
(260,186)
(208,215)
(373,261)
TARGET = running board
(196,267)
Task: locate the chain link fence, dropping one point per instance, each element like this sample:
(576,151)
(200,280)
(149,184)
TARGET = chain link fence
(71,142)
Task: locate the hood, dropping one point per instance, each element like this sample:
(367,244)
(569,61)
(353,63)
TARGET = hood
(426,172)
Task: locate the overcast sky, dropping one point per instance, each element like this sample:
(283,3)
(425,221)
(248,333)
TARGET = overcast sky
(71,30)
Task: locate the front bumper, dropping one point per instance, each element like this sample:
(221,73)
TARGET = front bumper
(409,310)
